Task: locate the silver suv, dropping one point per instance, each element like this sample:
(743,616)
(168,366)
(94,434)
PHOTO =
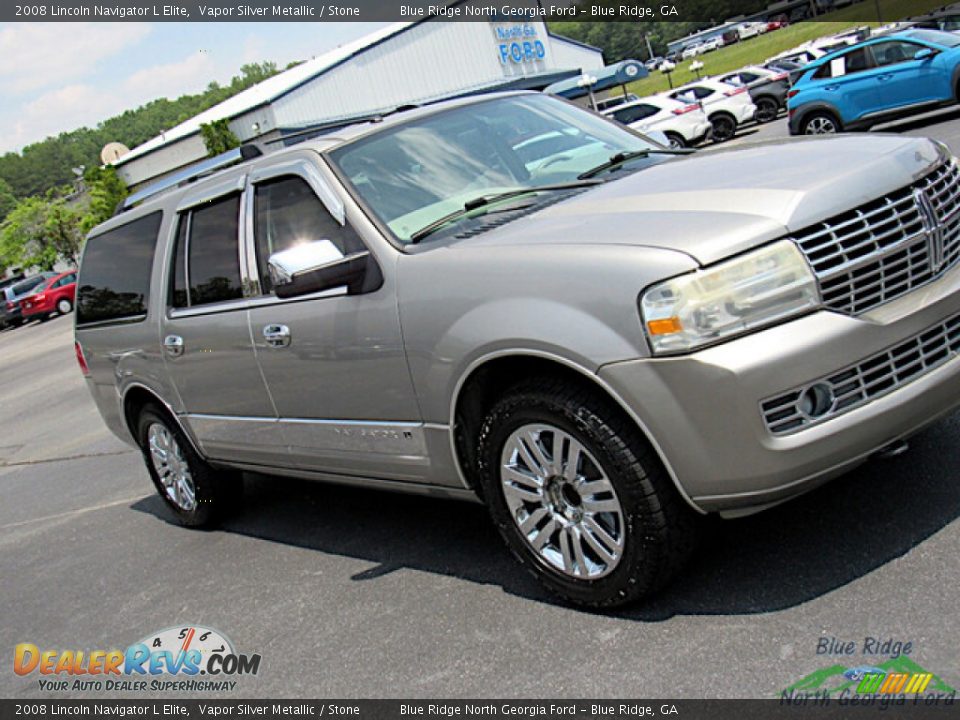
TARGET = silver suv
(513,299)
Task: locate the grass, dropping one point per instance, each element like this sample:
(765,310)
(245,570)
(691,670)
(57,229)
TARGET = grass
(758,49)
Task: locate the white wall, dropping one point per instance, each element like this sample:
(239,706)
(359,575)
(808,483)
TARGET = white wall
(430,61)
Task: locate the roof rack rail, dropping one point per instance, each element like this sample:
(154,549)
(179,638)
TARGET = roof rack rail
(311,131)
(193,173)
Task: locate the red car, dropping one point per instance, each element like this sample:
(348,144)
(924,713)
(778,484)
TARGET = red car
(55,295)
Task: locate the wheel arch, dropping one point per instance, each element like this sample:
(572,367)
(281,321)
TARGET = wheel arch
(135,397)
(805,111)
(488,377)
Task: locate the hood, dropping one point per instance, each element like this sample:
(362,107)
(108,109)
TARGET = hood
(716,204)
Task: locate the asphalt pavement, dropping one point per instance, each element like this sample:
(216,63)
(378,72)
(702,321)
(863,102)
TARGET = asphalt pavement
(354,594)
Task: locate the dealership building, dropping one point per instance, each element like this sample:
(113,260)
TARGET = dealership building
(401,64)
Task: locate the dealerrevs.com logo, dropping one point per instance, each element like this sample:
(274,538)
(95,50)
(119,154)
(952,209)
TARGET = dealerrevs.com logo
(185,658)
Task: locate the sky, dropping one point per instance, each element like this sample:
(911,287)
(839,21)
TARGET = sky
(60,76)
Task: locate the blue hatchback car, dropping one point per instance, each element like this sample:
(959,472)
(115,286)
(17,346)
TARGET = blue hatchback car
(876,81)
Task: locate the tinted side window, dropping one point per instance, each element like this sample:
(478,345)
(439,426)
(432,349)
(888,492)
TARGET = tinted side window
(213,262)
(635,112)
(287,213)
(891,53)
(115,275)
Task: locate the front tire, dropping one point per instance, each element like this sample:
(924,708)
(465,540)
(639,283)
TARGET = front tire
(197,494)
(580,497)
(64,306)
(724,127)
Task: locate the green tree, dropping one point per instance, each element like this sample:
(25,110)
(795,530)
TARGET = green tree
(8,201)
(62,232)
(218,137)
(40,231)
(106,190)
(22,236)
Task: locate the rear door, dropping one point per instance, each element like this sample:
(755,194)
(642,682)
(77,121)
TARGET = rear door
(205,332)
(849,83)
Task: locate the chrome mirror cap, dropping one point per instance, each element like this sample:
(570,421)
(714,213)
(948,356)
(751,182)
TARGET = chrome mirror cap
(285,265)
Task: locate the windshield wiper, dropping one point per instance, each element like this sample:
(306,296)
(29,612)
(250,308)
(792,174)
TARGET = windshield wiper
(484,200)
(623,157)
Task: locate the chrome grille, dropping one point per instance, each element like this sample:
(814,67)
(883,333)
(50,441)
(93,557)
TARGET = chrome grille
(869,379)
(880,251)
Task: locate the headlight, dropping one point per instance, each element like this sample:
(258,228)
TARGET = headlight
(760,288)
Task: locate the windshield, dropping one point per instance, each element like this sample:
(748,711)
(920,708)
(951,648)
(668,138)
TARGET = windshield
(413,174)
(946,39)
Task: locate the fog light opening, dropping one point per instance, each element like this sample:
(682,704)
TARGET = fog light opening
(817,400)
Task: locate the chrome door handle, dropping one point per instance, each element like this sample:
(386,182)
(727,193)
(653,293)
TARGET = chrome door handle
(173,344)
(276,335)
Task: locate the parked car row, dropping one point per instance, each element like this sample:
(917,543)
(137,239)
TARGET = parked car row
(37,297)
(709,108)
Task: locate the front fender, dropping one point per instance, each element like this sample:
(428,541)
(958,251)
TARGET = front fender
(574,304)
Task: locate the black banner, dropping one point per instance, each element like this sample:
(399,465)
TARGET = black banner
(836,708)
(706,11)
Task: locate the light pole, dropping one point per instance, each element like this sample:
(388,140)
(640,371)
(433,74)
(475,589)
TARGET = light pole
(696,66)
(588,81)
(666,68)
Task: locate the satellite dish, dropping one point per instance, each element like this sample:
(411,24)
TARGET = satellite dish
(112,152)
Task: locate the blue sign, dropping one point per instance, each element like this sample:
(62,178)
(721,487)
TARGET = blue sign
(519,44)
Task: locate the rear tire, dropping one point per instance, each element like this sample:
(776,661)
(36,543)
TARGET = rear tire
(724,126)
(597,521)
(820,122)
(677,141)
(197,494)
(767,110)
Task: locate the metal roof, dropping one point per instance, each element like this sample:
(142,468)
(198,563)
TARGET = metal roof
(267,91)
(620,73)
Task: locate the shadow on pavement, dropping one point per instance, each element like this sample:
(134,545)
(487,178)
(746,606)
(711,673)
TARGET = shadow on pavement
(920,122)
(771,561)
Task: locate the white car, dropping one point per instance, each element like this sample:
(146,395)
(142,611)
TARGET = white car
(816,49)
(684,124)
(690,52)
(726,107)
(711,44)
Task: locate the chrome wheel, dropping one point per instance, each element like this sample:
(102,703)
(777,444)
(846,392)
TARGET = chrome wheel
(820,125)
(562,502)
(172,467)
(64,306)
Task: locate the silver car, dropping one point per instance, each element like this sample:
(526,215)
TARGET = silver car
(511,299)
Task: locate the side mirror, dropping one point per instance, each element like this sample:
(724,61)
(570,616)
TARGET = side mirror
(317,266)
(924,54)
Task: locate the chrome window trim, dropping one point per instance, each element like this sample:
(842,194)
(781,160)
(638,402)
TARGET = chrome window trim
(309,173)
(211,192)
(250,303)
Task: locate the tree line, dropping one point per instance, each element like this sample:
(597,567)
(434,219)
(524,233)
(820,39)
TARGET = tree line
(46,208)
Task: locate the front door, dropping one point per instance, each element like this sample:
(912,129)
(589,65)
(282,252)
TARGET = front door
(205,337)
(901,79)
(334,363)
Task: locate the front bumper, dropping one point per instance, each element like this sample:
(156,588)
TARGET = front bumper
(703,413)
